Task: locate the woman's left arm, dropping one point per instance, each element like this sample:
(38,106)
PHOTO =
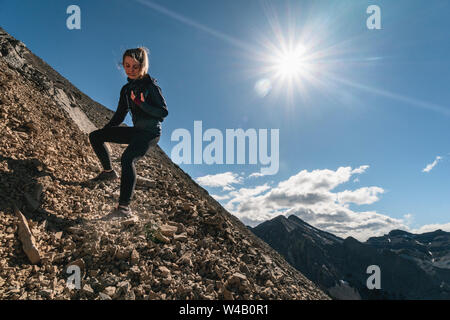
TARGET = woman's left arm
(152,102)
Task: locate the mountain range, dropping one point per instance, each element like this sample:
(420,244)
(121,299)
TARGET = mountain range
(412,266)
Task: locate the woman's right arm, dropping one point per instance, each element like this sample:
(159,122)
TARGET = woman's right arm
(121,111)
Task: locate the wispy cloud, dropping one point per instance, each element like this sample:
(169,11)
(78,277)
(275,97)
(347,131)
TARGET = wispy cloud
(408,218)
(192,23)
(445,110)
(257,174)
(223,180)
(430,166)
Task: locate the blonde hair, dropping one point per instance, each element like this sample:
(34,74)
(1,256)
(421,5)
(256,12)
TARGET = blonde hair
(140,55)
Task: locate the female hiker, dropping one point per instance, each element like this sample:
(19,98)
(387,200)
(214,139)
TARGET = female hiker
(143,97)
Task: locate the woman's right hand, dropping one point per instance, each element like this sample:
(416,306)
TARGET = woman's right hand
(136,100)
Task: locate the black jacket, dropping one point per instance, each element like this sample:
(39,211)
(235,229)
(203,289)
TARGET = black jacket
(150,113)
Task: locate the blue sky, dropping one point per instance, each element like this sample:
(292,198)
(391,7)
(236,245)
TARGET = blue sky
(369,113)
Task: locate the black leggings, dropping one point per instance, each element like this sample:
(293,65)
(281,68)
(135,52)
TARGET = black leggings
(139,142)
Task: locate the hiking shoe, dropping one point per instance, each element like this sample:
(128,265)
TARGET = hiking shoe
(105,176)
(120,212)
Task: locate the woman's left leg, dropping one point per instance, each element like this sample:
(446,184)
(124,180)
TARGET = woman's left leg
(122,135)
(137,148)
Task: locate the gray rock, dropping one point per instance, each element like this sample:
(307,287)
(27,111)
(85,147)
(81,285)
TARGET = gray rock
(103,296)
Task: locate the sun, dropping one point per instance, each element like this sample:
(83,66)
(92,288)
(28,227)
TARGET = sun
(287,66)
(290,60)
(290,63)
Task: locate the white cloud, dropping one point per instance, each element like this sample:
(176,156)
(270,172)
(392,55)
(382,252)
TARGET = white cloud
(430,166)
(309,195)
(432,227)
(318,180)
(217,197)
(223,180)
(360,170)
(408,218)
(256,174)
(366,195)
(244,195)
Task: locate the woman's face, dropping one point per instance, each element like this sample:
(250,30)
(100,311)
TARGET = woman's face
(132,67)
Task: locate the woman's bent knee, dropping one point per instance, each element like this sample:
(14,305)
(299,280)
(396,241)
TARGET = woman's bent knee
(93,136)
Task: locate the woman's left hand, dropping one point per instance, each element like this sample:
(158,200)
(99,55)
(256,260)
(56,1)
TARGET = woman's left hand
(134,98)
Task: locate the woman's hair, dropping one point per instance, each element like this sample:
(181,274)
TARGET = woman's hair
(140,55)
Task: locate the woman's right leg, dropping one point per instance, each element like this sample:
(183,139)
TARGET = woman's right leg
(121,135)
(135,150)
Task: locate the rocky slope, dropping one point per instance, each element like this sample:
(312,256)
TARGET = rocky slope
(339,266)
(184,245)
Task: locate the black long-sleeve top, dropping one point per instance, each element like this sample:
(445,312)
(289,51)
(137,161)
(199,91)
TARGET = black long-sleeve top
(147,115)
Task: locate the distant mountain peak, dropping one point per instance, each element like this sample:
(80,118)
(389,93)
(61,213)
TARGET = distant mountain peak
(398,232)
(295,218)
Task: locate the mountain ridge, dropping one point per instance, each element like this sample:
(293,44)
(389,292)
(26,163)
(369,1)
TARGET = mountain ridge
(338,266)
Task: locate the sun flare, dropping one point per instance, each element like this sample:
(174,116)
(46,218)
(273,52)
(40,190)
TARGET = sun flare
(288,66)
(290,63)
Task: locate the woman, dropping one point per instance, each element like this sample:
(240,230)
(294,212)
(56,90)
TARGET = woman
(143,97)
